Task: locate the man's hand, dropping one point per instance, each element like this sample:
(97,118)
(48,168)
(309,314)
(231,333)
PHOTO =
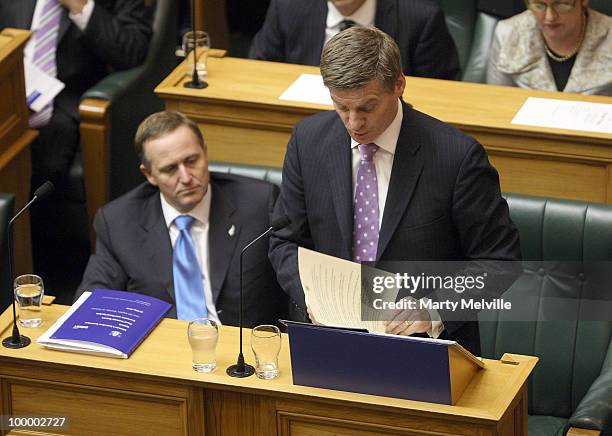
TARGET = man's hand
(74,6)
(311,316)
(408,321)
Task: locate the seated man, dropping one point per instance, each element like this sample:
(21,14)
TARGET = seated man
(295,31)
(379,181)
(178,237)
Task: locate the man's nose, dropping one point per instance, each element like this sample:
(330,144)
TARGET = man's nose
(355,121)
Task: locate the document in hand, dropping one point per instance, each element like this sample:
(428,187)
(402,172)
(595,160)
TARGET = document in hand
(105,322)
(332,287)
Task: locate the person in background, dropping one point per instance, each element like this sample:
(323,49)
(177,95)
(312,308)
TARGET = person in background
(78,42)
(295,31)
(178,236)
(559,45)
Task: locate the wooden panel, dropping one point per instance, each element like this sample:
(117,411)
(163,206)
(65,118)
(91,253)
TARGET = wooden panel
(552,178)
(309,418)
(233,413)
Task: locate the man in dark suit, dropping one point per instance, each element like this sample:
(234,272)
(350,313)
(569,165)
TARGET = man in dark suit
(116,36)
(430,193)
(138,234)
(79,42)
(295,31)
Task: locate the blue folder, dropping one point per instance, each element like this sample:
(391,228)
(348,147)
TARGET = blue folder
(392,366)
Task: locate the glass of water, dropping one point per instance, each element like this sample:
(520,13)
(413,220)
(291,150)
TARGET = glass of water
(203,335)
(266,344)
(201,41)
(29,291)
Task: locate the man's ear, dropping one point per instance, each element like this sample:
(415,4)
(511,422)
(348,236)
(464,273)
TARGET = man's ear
(400,85)
(147,173)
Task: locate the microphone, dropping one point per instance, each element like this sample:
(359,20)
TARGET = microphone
(17,340)
(242,369)
(196,82)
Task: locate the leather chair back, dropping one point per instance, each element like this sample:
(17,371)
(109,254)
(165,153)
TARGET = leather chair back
(571,352)
(460,19)
(7,209)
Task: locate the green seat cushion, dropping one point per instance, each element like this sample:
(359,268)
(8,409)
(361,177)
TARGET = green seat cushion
(541,425)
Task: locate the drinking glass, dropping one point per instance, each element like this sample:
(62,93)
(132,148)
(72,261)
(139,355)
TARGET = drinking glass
(266,344)
(202,45)
(203,335)
(29,291)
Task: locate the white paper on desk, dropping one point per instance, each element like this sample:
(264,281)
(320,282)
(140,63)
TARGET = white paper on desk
(41,88)
(308,88)
(564,114)
(332,288)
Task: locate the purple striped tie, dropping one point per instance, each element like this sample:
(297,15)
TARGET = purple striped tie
(45,45)
(365,227)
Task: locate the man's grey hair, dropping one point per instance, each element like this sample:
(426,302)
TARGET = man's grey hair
(356,56)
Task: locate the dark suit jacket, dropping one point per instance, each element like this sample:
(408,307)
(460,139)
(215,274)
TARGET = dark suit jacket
(134,252)
(294,32)
(443,202)
(116,36)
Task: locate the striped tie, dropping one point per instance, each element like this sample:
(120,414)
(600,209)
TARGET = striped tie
(44,52)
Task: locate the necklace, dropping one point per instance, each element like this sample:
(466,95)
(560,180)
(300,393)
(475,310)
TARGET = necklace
(556,58)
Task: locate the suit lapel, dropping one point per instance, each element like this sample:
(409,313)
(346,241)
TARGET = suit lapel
(63,26)
(222,244)
(386,17)
(340,172)
(24,13)
(407,167)
(156,243)
(316,23)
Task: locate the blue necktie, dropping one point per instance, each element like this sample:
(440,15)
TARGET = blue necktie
(188,285)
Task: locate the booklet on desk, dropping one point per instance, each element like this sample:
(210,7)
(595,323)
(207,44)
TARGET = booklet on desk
(106,323)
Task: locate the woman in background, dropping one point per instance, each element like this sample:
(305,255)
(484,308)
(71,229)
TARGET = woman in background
(554,46)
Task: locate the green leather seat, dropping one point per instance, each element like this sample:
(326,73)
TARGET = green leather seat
(7,209)
(572,383)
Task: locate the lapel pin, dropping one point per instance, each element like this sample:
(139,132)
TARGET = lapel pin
(231,231)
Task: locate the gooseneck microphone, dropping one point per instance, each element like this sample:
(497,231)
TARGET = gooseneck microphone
(17,340)
(242,369)
(196,82)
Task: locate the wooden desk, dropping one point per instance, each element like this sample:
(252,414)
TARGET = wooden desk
(244,121)
(15,139)
(156,392)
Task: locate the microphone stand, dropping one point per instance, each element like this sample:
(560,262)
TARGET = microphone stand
(196,82)
(17,340)
(242,369)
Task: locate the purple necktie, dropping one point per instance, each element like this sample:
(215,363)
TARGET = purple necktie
(45,45)
(365,228)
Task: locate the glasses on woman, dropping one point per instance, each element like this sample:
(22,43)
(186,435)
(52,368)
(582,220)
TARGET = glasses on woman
(559,7)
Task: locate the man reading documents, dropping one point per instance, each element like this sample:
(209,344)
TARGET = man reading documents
(377,180)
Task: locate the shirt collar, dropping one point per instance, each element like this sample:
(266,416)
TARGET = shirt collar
(201,211)
(364,16)
(387,140)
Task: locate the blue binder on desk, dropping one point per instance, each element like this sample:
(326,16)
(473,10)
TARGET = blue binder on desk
(393,366)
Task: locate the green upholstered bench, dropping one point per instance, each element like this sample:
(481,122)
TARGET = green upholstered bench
(572,384)
(7,209)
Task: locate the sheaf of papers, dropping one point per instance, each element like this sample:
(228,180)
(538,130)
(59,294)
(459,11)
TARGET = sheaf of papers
(41,88)
(332,288)
(563,114)
(308,88)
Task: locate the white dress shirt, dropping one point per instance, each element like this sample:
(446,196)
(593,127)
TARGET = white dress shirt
(364,16)
(80,20)
(383,162)
(199,234)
